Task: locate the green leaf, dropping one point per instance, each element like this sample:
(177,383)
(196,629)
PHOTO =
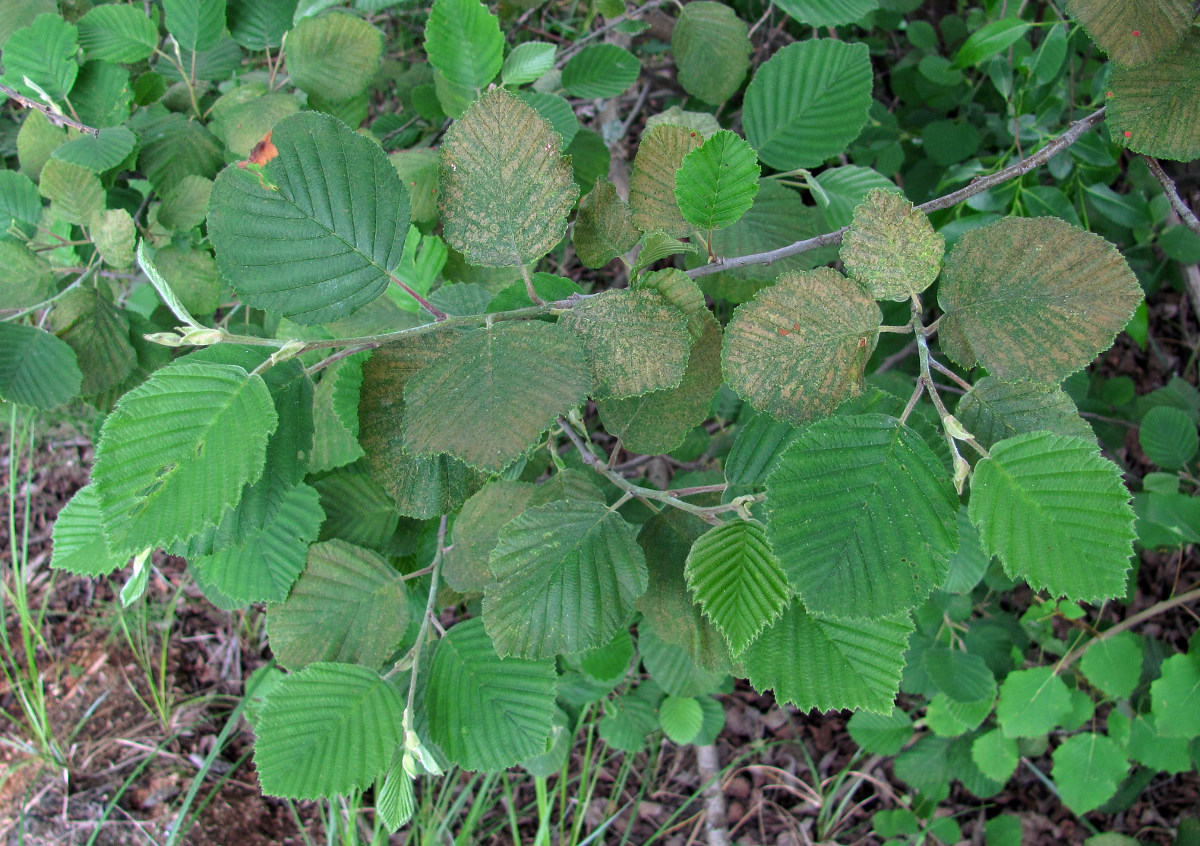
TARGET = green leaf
(334,444)
(881,734)
(20,204)
(1087,770)
(961,676)
(502,386)
(38,138)
(36,368)
(716,183)
(1032,702)
(995,409)
(358,510)
(635,341)
(798,349)
(259,24)
(334,56)
(556,110)
(891,247)
(242,117)
(757,449)
(1033,298)
(325,730)
(1168,437)
(1056,513)
(681,718)
(98,331)
(527,62)
(196,24)
(652,179)
(114,33)
(191,276)
(264,568)
(26,278)
(603,227)
(846,664)
(322,242)
(737,580)
(567,575)
(100,152)
(177,451)
(78,542)
(487,712)
(969,563)
(600,71)
(711,46)
(506,187)
(861,516)
(995,755)
(827,12)
(1114,664)
(114,236)
(75,191)
(609,662)
(1133,32)
(477,530)
(186,205)
(463,41)
(348,605)
(422,487)
(395,800)
(673,667)
(44,52)
(989,40)
(1175,697)
(174,147)
(808,102)
(841,189)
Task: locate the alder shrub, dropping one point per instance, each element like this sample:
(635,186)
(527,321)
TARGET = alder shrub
(361,388)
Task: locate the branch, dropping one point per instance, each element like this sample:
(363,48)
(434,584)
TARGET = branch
(1185,214)
(608,25)
(51,115)
(977,186)
(1128,623)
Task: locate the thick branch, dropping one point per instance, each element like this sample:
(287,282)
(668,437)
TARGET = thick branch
(977,186)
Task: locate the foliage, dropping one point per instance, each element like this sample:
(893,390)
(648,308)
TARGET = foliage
(348,375)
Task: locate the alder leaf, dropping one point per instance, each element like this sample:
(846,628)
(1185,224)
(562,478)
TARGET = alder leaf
(321,241)
(349,605)
(711,46)
(812,662)
(506,187)
(652,178)
(44,53)
(567,575)
(862,516)
(421,486)
(78,542)
(995,409)
(891,247)
(798,349)
(1133,32)
(716,183)
(808,102)
(527,62)
(1056,513)
(334,56)
(737,580)
(463,41)
(195,24)
(115,33)
(487,398)
(487,712)
(603,227)
(477,530)
(1155,107)
(821,13)
(600,71)
(178,450)
(325,730)
(635,342)
(1033,298)
(36,368)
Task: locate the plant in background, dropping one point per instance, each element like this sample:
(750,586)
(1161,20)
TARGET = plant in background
(354,386)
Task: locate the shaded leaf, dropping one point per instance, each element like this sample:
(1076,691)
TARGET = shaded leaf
(600,70)
(711,46)
(1033,298)
(477,530)
(1168,437)
(75,191)
(114,236)
(20,204)
(652,178)
(195,24)
(891,247)
(100,152)
(333,56)
(115,33)
(827,12)
(463,41)
(36,368)
(259,24)
(98,331)
(1155,107)
(1132,32)
(603,227)
(995,409)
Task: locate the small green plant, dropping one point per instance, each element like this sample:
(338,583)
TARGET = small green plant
(354,375)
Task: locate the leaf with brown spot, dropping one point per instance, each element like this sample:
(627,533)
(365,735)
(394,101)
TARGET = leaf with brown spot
(891,247)
(1033,298)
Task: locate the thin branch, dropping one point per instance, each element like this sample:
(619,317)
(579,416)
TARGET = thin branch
(437,313)
(610,24)
(1168,184)
(977,186)
(1126,624)
(51,115)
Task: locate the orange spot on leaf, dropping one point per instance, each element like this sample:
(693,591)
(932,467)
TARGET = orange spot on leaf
(784,332)
(795,327)
(263,151)
(1128,133)
(1136,33)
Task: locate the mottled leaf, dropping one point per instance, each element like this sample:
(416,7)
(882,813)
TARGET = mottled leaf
(995,409)
(652,178)
(891,247)
(1155,107)
(603,227)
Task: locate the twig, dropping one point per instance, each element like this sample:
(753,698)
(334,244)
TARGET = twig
(1168,184)
(977,186)
(51,115)
(1126,624)
(437,313)
(611,24)
(709,767)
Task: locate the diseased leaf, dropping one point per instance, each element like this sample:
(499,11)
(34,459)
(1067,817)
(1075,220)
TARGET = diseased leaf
(994,410)
(603,227)
(716,183)
(567,574)
(321,241)
(861,516)
(847,664)
(333,56)
(711,46)
(1155,107)
(652,178)
(635,342)
(1033,298)
(487,712)
(1056,513)
(798,349)
(506,187)
(502,386)
(98,331)
(891,247)
(1133,32)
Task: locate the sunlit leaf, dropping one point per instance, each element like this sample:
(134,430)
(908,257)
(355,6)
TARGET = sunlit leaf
(716,183)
